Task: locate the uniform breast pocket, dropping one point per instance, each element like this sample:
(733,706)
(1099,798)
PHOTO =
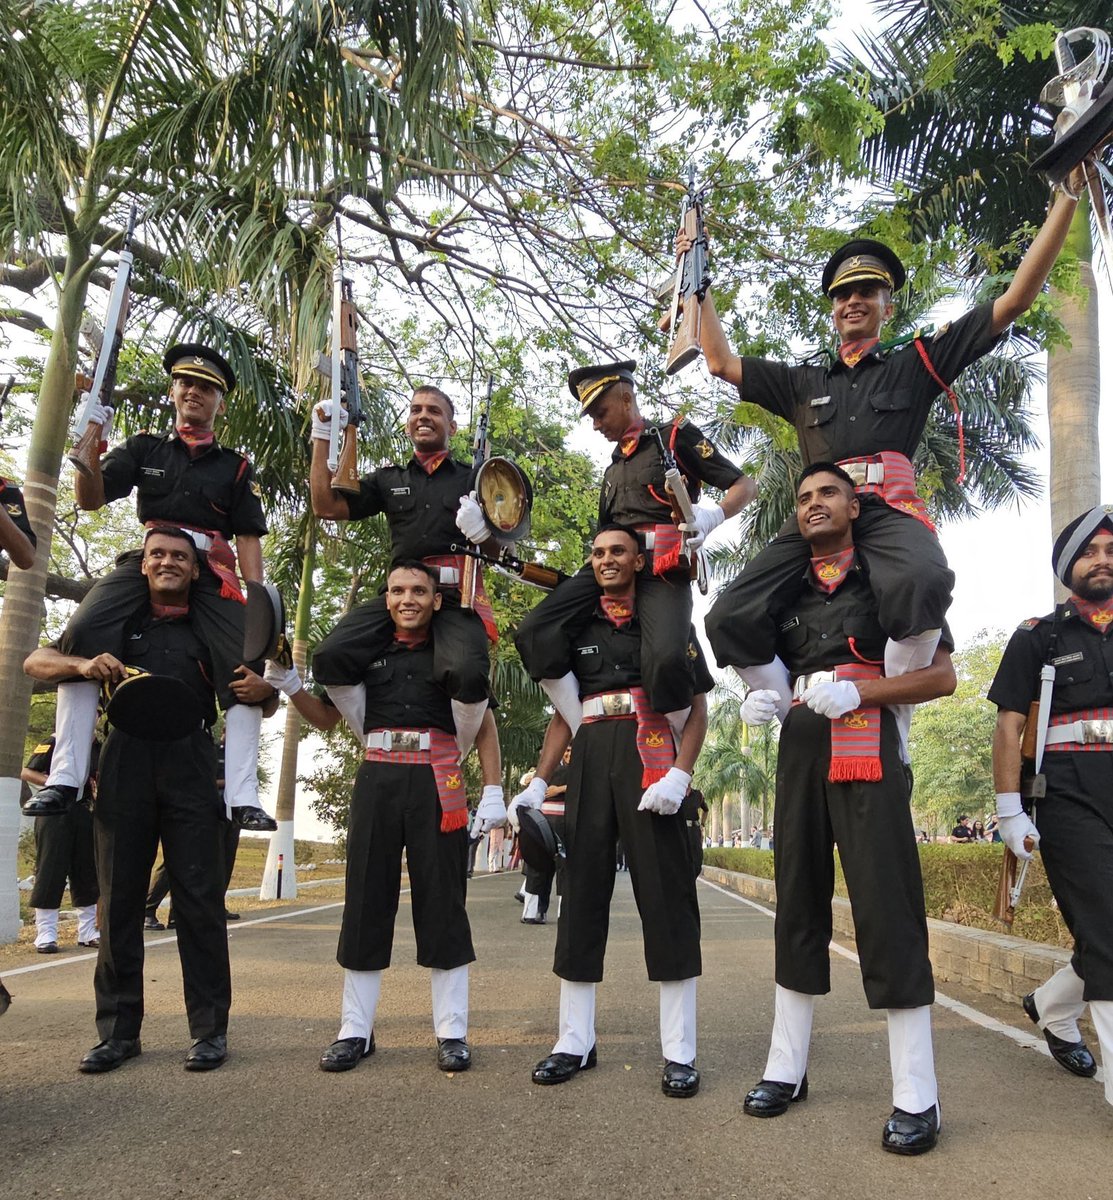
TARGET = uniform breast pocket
(897,400)
(868,636)
(156,485)
(398,501)
(1074,686)
(821,414)
(379,674)
(219,499)
(795,638)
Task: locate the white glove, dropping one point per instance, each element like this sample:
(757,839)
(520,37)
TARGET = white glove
(708,518)
(470,520)
(532,797)
(283,679)
(1014,824)
(322,421)
(491,811)
(759,707)
(834,699)
(666,794)
(101,414)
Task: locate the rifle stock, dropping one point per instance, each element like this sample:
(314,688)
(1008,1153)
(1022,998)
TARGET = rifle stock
(346,477)
(1003,908)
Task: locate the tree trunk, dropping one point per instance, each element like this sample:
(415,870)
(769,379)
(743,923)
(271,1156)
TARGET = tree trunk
(21,618)
(1074,393)
(282,840)
(716,821)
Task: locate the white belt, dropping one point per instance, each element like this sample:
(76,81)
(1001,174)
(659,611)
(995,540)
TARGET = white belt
(612,704)
(398,739)
(201,540)
(802,682)
(863,473)
(1086,732)
(449,577)
(649,539)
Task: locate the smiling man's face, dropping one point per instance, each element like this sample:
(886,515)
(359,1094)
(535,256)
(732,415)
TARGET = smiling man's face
(429,424)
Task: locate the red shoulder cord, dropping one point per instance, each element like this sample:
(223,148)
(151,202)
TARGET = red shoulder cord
(949,392)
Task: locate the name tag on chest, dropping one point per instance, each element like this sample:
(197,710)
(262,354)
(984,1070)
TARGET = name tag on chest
(820,401)
(399,491)
(156,471)
(587,649)
(1063,659)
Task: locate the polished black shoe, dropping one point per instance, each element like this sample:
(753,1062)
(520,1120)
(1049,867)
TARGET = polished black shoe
(453,1054)
(206,1054)
(911,1133)
(152,922)
(346,1053)
(51,801)
(1074,1056)
(48,948)
(107,1055)
(519,897)
(771,1099)
(231,916)
(538,920)
(559,1068)
(680,1079)
(253,819)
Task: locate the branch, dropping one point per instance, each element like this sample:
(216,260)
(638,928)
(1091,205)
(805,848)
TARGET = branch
(541,56)
(58,587)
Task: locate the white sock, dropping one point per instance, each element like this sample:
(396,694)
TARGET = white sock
(46,926)
(677,720)
(74,723)
(911,1059)
(910,653)
(450,1002)
(1101,1013)
(351,700)
(242,726)
(792,1035)
(357,1008)
(467,719)
(565,696)
(678,1020)
(530,906)
(771,676)
(577,1019)
(1059,1003)
(87,923)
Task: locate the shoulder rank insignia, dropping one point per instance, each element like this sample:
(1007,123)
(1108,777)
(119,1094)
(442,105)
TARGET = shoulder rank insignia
(1031,623)
(14,510)
(256,490)
(705,448)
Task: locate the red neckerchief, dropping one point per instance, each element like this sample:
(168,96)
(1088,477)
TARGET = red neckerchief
(196,441)
(167,612)
(852,353)
(619,610)
(430,460)
(628,443)
(411,639)
(1100,615)
(830,570)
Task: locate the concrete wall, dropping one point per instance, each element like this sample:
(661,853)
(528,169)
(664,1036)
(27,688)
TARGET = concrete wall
(994,963)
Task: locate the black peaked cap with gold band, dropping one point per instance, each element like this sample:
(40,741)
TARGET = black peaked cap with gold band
(863,261)
(588,384)
(192,358)
(1076,536)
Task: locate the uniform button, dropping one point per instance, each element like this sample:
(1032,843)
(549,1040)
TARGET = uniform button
(853,386)
(854,418)
(823,636)
(826,601)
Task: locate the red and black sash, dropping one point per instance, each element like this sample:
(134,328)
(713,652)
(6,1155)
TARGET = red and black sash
(856,736)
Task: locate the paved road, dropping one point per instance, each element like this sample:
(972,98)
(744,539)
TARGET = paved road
(270,1125)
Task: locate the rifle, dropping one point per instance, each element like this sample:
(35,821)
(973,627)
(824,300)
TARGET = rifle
(682,511)
(690,285)
(344,374)
(535,574)
(481,451)
(89,435)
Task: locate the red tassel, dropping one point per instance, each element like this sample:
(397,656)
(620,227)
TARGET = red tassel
(229,591)
(451,821)
(666,562)
(854,770)
(653,775)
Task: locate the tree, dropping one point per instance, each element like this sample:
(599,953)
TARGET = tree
(737,761)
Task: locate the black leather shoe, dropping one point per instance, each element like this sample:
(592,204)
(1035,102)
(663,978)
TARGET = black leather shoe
(771,1099)
(538,920)
(453,1054)
(206,1054)
(680,1079)
(152,922)
(911,1133)
(51,801)
(253,819)
(48,948)
(559,1068)
(107,1055)
(346,1053)
(519,897)
(1074,1056)
(231,916)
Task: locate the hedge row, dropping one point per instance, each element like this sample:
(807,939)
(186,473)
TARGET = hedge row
(960,885)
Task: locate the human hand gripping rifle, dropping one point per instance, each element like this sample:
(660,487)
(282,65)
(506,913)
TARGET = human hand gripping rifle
(683,512)
(344,375)
(89,434)
(689,285)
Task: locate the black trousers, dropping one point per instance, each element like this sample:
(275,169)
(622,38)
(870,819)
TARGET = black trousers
(546,634)
(872,825)
(1075,821)
(149,791)
(160,884)
(97,626)
(64,851)
(540,883)
(395,808)
(908,571)
(604,790)
(461,664)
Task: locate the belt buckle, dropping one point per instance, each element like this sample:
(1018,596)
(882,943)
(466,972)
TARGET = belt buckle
(1097,731)
(858,471)
(449,577)
(616,705)
(405,740)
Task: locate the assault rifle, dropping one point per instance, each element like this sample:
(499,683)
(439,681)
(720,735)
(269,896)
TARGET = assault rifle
(89,435)
(536,575)
(480,451)
(682,511)
(689,286)
(344,374)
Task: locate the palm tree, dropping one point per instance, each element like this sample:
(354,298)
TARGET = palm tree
(737,761)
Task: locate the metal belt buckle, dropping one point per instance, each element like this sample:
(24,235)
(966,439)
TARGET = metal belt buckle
(617,704)
(1097,731)
(858,471)
(407,739)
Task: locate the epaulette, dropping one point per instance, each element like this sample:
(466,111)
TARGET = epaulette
(1033,622)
